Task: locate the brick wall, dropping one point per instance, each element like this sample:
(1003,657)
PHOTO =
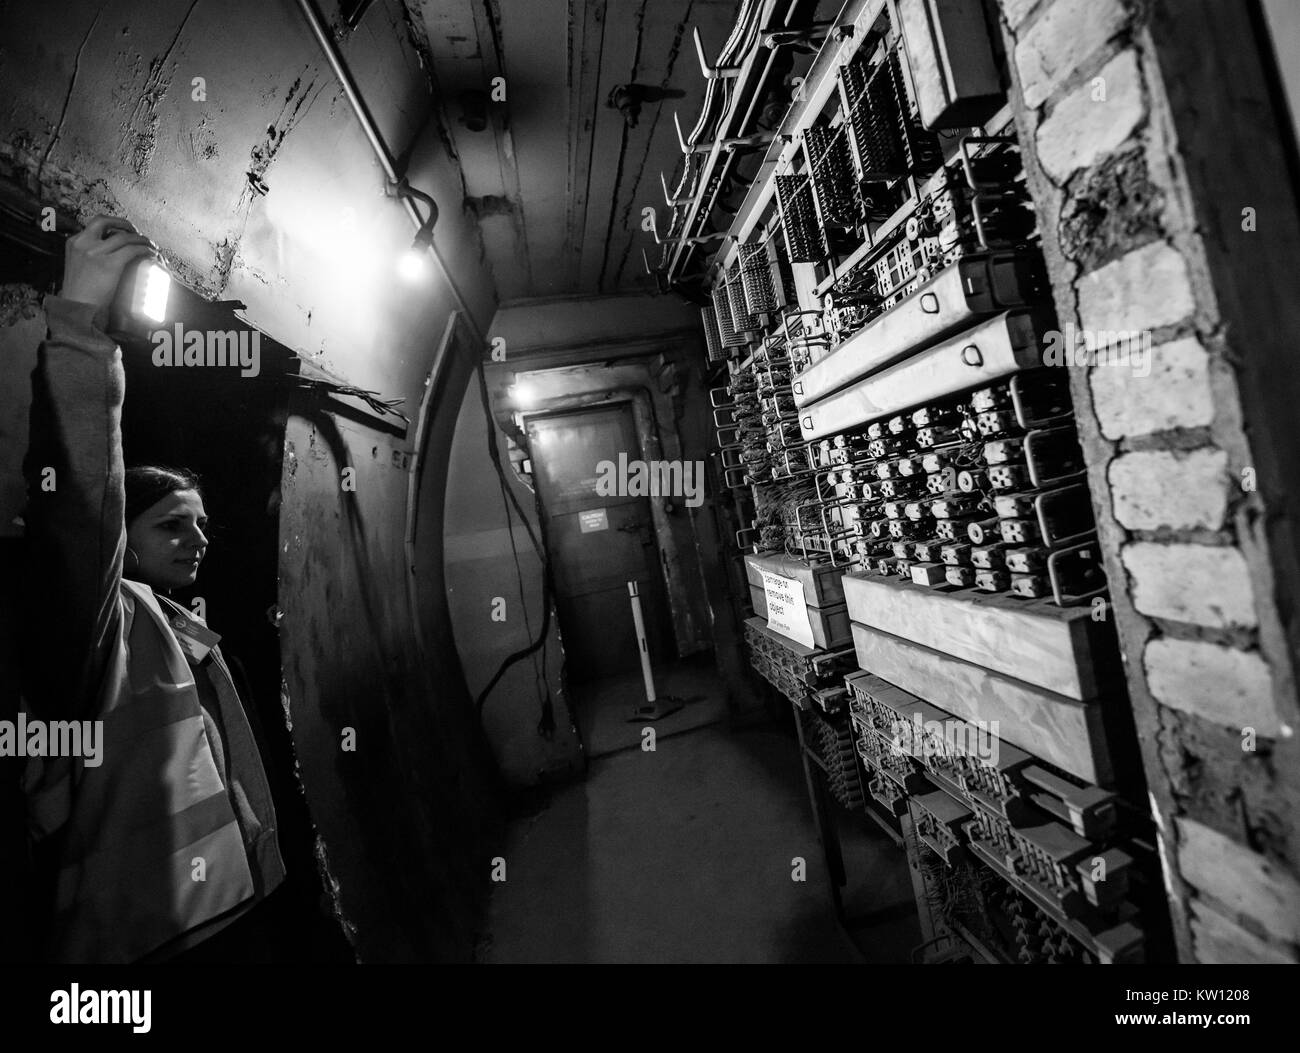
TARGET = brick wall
(1145,230)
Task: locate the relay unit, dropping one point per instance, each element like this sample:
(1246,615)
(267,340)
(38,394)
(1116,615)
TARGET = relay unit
(885,411)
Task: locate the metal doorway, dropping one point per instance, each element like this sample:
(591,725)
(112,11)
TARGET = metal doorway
(598,542)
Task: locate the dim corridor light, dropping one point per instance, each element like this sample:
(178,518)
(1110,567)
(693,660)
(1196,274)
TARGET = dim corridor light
(414,262)
(524,394)
(412,265)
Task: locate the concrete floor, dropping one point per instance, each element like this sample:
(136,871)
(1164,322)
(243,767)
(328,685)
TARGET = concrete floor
(604,706)
(684,855)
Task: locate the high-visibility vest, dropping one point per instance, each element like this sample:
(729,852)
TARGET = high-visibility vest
(149,844)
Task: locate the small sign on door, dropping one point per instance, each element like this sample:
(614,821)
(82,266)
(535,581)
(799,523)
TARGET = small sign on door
(596,519)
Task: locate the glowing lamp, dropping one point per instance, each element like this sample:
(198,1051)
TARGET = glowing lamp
(413,264)
(153,287)
(414,261)
(141,300)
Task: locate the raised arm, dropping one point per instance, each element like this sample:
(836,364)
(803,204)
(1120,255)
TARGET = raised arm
(74,472)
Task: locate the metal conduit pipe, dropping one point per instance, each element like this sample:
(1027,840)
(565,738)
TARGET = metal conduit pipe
(385,158)
(378,145)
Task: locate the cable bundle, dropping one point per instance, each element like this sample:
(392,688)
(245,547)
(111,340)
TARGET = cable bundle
(803,235)
(831,164)
(743,319)
(380,405)
(712,337)
(873,116)
(722,315)
(756,279)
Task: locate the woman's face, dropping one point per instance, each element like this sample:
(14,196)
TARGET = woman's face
(168,538)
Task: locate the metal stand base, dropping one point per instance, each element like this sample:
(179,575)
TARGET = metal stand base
(660,707)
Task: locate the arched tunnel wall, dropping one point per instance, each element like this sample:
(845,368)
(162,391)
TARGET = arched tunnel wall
(261,188)
(483,539)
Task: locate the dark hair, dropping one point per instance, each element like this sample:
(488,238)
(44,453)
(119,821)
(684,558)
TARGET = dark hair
(147,484)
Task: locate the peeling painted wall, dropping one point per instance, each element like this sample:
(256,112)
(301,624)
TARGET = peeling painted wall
(262,188)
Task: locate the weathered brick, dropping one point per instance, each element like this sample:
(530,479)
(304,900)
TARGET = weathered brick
(1082,129)
(1151,489)
(1202,584)
(1176,394)
(1112,207)
(1216,940)
(1242,880)
(1067,33)
(1143,289)
(1220,684)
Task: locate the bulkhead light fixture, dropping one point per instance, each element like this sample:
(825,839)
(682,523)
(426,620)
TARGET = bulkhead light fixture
(413,264)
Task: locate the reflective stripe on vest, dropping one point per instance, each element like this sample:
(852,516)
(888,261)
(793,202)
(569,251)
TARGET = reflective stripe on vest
(152,846)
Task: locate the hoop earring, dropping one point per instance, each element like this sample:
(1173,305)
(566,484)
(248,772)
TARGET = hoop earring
(132,553)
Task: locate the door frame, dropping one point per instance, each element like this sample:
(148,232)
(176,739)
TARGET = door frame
(549,411)
(645,424)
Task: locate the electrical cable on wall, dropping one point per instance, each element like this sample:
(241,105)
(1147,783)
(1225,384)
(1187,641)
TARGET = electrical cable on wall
(547,722)
(373,399)
(539,674)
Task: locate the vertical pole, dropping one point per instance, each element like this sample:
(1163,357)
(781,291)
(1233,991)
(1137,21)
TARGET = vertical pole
(646,671)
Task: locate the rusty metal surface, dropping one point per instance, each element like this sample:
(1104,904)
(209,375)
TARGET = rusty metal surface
(398,814)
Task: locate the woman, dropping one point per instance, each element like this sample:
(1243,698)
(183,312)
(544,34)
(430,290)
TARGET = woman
(171,837)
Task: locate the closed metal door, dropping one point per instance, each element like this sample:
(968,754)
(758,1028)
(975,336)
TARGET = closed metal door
(598,542)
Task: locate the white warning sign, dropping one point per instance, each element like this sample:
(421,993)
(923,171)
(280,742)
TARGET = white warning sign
(787,611)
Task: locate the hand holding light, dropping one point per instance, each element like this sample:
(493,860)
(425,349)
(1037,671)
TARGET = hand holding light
(96,258)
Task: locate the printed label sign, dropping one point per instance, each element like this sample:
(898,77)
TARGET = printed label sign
(596,519)
(787,611)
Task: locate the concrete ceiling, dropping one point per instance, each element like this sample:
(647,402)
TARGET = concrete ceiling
(559,178)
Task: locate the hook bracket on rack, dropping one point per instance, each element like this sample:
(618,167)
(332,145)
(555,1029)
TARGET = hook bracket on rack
(711,72)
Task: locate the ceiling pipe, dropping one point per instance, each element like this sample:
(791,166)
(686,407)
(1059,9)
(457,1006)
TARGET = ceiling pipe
(382,154)
(424,236)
